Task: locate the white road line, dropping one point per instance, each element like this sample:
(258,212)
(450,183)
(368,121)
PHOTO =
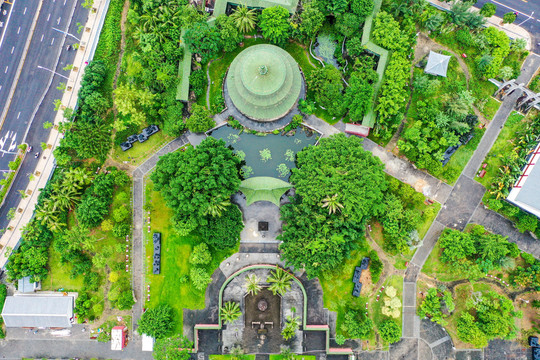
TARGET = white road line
(41,37)
(13,48)
(19,30)
(48,17)
(19,114)
(52,42)
(58,21)
(7,23)
(65,2)
(24,12)
(508,7)
(5,71)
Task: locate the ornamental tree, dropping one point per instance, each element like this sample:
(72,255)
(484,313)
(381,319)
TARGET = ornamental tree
(156,322)
(275,25)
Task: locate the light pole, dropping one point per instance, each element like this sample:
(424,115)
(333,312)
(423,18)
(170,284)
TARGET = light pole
(66,33)
(54,72)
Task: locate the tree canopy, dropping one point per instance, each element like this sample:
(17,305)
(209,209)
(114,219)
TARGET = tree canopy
(314,237)
(275,25)
(156,322)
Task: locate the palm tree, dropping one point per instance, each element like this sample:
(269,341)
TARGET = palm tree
(331,202)
(280,281)
(244,18)
(216,209)
(229,312)
(292,324)
(252,284)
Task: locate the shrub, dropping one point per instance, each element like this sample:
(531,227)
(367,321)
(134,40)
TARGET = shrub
(357,325)
(390,331)
(509,18)
(199,278)
(156,322)
(200,255)
(375,266)
(488,9)
(121,230)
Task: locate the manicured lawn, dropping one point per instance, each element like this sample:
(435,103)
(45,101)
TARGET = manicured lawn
(397,282)
(296,357)
(435,268)
(461,157)
(140,152)
(231,357)
(502,147)
(173,286)
(491,108)
(58,277)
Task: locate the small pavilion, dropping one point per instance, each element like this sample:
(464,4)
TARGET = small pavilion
(264,188)
(437,64)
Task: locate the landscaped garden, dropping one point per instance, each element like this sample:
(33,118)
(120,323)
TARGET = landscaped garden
(470,274)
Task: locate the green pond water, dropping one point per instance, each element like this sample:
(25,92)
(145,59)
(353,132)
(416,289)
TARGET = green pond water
(270,155)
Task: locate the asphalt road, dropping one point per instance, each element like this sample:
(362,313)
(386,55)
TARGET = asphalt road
(528,15)
(36,90)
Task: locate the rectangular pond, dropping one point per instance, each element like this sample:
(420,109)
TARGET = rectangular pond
(269,155)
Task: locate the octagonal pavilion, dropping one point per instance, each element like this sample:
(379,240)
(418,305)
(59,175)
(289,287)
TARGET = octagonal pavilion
(264,82)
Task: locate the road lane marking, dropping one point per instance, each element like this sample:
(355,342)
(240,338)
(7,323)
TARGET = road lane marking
(24,12)
(13,48)
(65,2)
(7,23)
(41,38)
(19,114)
(5,71)
(19,30)
(52,42)
(508,7)
(58,21)
(48,17)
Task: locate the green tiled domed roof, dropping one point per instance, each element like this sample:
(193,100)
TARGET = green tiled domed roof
(264,82)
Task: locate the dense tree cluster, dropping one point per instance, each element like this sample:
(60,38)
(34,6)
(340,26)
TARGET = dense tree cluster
(339,186)
(196,184)
(437,305)
(488,316)
(89,132)
(156,322)
(476,252)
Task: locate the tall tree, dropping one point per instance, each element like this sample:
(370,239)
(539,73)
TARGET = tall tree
(275,25)
(244,18)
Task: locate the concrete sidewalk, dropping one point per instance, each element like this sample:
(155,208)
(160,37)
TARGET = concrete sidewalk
(45,167)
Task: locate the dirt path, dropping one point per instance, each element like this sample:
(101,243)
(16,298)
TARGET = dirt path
(388,267)
(122,47)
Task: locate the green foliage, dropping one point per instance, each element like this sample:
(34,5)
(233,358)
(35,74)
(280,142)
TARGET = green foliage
(156,322)
(175,348)
(348,24)
(200,255)
(275,25)
(340,339)
(327,87)
(488,9)
(132,103)
(375,266)
(204,40)
(222,232)
(436,306)
(488,316)
(96,201)
(252,284)
(244,18)
(229,33)
(309,22)
(200,119)
(386,32)
(358,96)
(362,8)
(291,325)
(526,222)
(313,238)
(509,18)
(357,325)
(462,17)
(199,278)
(197,82)
(390,331)
(229,312)
(280,281)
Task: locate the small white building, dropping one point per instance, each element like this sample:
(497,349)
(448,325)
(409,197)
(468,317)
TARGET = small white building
(118,337)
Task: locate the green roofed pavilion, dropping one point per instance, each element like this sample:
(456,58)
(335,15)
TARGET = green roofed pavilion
(264,188)
(264,82)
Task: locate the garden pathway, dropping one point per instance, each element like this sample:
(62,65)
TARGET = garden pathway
(138,264)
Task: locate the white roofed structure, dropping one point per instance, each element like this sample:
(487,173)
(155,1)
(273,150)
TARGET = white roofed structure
(526,192)
(30,311)
(437,64)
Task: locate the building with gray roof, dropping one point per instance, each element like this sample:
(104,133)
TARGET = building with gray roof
(526,192)
(31,311)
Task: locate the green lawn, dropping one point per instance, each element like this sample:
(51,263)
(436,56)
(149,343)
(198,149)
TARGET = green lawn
(376,306)
(296,357)
(460,158)
(434,267)
(231,357)
(140,152)
(173,286)
(58,277)
(491,108)
(502,147)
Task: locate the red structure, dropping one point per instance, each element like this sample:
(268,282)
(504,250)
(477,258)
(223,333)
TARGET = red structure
(118,337)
